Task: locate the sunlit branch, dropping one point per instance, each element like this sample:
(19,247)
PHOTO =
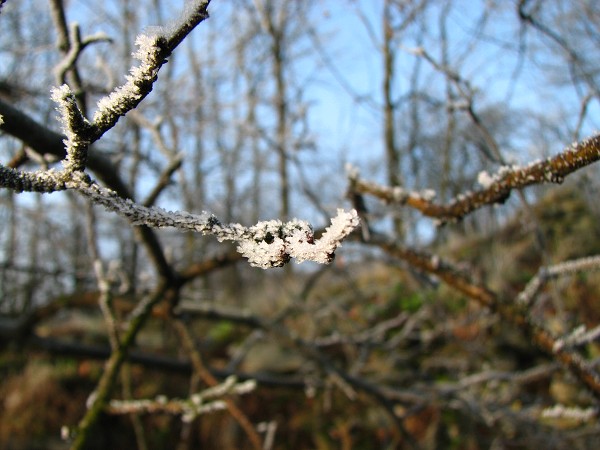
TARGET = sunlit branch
(496,188)
(267,244)
(153,50)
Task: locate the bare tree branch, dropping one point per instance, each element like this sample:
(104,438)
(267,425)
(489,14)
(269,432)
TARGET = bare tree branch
(497,187)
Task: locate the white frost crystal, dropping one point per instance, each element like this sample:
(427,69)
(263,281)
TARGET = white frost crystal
(116,102)
(276,242)
(574,413)
(267,244)
(485,179)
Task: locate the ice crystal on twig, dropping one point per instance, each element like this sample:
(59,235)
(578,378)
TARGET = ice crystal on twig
(485,179)
(579,336)
(586,264)
(267,244)
(75,127)
(273,243)
(189,409)
(138,82)
(573,413)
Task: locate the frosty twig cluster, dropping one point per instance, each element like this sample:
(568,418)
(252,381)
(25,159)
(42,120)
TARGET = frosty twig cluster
(266,244)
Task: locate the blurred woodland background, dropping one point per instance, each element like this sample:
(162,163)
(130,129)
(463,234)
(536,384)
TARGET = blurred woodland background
(463,312)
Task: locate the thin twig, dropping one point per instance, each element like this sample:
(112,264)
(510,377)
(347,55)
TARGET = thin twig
(208,378)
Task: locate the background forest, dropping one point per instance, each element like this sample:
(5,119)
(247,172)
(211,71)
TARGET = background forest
(429,136)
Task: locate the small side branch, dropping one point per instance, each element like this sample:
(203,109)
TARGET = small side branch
(203,372)
(77,45)
(153,50)
(77,129)
(201,403)
(545,274)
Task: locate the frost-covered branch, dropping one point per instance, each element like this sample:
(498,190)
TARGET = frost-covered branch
(38,181)
(496,187)
(154,48)
(267,244)
(77,129)
(573,413)
(587,264)
(579,336)
(203,402)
